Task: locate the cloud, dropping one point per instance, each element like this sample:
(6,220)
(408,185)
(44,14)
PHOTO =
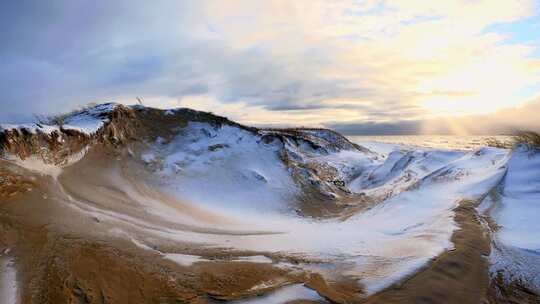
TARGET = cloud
(281,62)
(379,128)
(503,121)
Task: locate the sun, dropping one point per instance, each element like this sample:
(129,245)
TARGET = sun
(466,93)
(474,104)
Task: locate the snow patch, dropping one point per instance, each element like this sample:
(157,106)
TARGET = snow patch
(242,172)
(90,120)
(183,259)
(38,165)
(284,295)
(9,292)
(148,157)
(32,128)
(516,209)
(255,259)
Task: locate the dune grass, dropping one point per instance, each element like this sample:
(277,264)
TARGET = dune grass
(496,143)
(58,119)
(530,139)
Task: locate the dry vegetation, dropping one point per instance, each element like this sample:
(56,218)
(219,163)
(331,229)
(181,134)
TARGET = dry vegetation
(528,138)
(496,143)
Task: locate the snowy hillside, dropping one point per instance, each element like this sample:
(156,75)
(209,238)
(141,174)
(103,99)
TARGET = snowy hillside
(515,207)
(190,189)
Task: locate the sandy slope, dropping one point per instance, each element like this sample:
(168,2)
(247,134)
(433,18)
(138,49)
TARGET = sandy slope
(456,276)
(200,212)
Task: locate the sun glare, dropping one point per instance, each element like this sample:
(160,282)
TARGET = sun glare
(449,106)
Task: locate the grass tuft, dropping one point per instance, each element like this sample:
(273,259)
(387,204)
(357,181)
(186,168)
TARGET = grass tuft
(496,143)
(529,139)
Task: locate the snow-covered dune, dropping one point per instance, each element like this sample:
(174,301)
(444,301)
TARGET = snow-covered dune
(516,209)
(226,165)
(191,187)
(241,176)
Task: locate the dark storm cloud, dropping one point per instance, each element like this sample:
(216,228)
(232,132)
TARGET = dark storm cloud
(504,121)
(379,128)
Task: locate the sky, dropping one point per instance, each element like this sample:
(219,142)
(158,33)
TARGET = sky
(360,67)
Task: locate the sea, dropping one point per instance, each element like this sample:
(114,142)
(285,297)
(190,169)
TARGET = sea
(451,142)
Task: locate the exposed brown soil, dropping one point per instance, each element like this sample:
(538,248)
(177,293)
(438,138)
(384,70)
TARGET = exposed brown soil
(99,274)
(342,292)
(502,292)
(12,183)
(63,268)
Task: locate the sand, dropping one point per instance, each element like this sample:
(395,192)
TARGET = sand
(63,255)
